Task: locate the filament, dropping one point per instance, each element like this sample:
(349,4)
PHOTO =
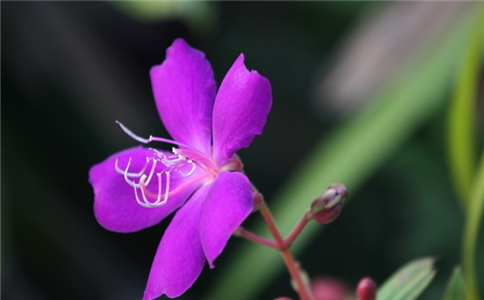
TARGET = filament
(151,172)
(189,173)
(131,183)
(158,202)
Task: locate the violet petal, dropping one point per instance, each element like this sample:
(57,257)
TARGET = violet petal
(179,259)
(184,90)
(240,112)
(115,205)
(228,204)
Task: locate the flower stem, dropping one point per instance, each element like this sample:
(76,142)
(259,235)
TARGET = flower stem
(297,229)
(242,232)
(292,266)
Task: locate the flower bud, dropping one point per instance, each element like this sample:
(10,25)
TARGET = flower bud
(366,289)
(327,207)
(283,298)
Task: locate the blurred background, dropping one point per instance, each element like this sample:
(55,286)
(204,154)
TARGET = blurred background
(360,96)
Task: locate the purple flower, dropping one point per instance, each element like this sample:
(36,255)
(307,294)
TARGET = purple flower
(138,187)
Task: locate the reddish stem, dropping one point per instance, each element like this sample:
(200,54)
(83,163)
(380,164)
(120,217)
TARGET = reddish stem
(255,238)
(291,265)
(297,230)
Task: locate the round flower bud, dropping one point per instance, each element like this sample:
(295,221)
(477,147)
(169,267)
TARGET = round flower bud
(366,289)
(327,207)
(283,298)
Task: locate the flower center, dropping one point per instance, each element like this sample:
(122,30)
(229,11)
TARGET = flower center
(185,161)
(162,166)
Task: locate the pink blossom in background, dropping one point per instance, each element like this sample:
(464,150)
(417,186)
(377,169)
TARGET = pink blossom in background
(329,288)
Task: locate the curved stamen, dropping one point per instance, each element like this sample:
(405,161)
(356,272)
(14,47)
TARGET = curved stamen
(123,172)
(167,189)
(158,153)
(158,139)
(189,173)
(151,172)
(167,159)
(158,202)
(137,197)
(172,159)
(158,199)
(144,204)
(131,183)
(174,191)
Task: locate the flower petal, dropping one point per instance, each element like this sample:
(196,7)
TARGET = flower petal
(115,204)
(184,91)
(240,112)
(179,259)
(228,204)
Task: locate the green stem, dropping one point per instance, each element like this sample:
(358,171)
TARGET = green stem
(471,233)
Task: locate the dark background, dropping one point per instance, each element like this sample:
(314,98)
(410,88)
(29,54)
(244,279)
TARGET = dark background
(70,69)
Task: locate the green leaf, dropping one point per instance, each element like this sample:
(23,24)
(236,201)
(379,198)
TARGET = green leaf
(409,281)
(462,114)
(468,179)
(455,287)
(349,156)
(471,233)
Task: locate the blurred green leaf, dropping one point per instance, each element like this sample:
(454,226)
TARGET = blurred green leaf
(201,16)
(409,281)
(462,114)
(350,155)
(455,287)
(462,148)
(471,233)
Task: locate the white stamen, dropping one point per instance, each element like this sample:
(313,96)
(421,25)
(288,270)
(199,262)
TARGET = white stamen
(167,189)
(134,136)
(175,161)
(123,172)
(151,172)
(158,202)
(144,195)
(137,198)
(189,172)
(131,183)
(172,159)
(157,152)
